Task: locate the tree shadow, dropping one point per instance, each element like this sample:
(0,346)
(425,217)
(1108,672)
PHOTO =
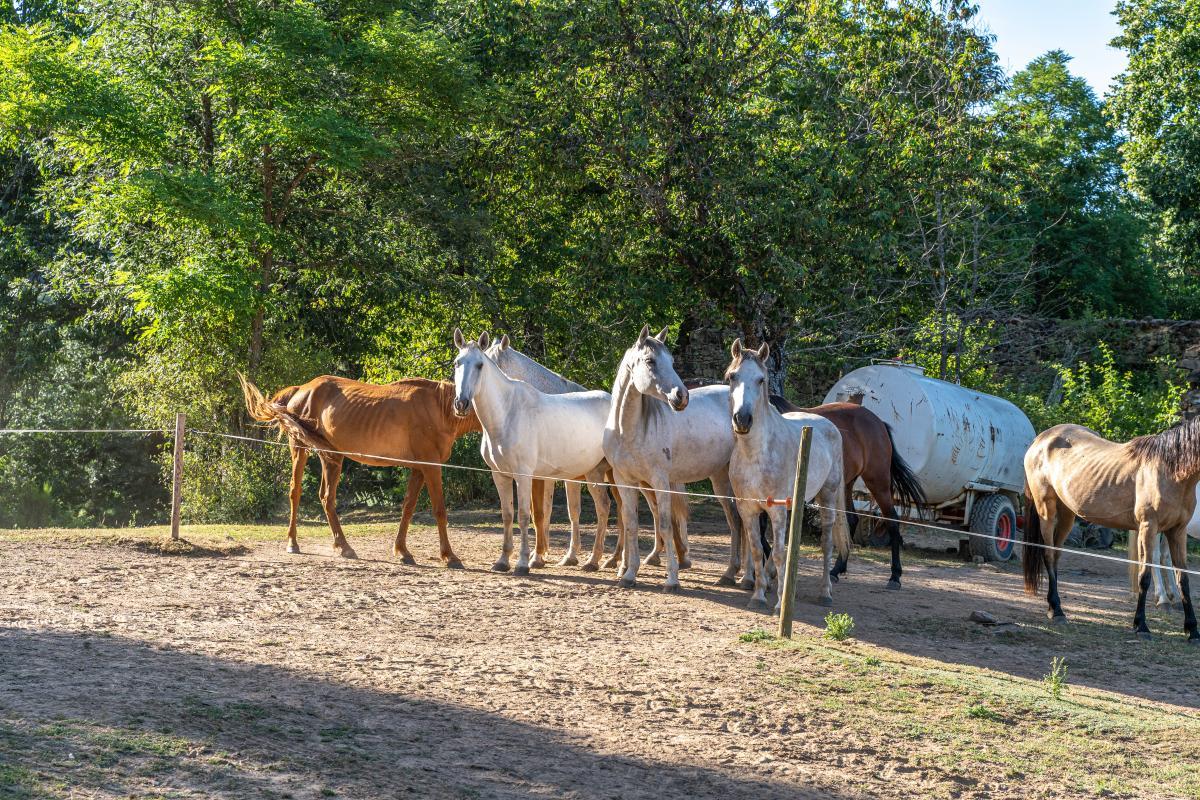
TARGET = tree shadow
(110,715)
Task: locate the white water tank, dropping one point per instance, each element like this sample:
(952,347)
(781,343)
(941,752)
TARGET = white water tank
(954,439)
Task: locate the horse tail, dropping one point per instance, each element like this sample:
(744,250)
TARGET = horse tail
(1031,555)
(841,527)
(905,486)
(275,413)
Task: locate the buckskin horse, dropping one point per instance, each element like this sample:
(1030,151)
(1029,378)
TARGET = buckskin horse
(1146,485)
(409,420)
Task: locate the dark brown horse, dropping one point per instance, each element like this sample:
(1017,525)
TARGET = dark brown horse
(411,419)
(868,452)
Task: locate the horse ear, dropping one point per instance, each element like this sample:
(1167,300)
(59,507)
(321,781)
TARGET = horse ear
(484,340)
(644,335)
(764,351)
(504,342)
(736,350)
(459,341)
(662,335)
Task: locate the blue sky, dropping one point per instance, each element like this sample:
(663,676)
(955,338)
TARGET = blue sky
(1025,29)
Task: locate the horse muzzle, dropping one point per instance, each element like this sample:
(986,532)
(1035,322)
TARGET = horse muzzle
(678,399)
(741,424)
(461,407)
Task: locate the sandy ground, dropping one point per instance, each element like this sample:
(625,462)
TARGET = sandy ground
(264,674)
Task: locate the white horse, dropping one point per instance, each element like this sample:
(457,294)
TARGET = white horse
(763,465)
(657,435)
(527,433)
(521,367)
(1164,587)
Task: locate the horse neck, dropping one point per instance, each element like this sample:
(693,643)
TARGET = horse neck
(529,370)
(631,410)
(493,395)
(768,425)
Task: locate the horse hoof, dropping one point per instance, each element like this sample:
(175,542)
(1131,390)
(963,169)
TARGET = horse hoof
(1194,641)
(1143,635)
(671,588)
(537,563)
(453,563)
(407,558)
(833,577)
(609,562)
(1056,619)
(746,584)
(757,604)
(500,566)
(627,583)
(652,561)
(520,570)
(725,580)
(590,566)
(685,563)
(825,601)
(348,552)
(293,548)
(569,562)
(893,585)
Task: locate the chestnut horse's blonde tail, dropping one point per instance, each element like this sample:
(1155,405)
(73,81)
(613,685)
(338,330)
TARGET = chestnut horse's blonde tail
(275,413)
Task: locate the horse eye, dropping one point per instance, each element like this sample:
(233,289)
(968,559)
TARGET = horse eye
(761,381)
(479,366)
(649,362)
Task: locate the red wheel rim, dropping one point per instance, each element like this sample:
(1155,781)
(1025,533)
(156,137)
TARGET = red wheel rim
(1004,533)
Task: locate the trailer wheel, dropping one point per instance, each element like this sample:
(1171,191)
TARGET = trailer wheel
(994,515)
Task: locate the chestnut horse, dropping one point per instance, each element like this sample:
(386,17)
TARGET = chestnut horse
(412,419)
(868,453)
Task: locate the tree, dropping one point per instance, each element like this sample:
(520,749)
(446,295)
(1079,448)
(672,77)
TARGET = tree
(1086,229)
(1157,100)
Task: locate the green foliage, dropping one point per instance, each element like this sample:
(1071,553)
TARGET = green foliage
(981,711)
(1055,681)
(1108,400)
(755,636)
(838,627)
(953,350)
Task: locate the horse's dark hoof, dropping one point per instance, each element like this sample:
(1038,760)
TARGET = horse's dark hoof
(627,583)
(725,580)
(833,577)
(537,563)
(590,566)
(893,585)
(609,562)
(746,584)
(569,562)
(1194,641)
(685,563)
(519,570)
(1056,619)
(348,552)
(825,601)
(652,561)
(757,604)
(453,563)
(405,558)
(671,588)
(1143,635)
(500,566)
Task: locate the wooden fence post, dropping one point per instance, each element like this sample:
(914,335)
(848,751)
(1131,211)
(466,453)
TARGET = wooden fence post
(787,581)
(177,477)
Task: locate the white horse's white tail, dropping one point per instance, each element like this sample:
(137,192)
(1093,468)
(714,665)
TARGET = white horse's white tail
(841,527)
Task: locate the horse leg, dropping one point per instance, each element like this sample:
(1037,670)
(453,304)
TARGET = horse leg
(331,467)
(601,501)
(679,527)
(828,500)
(1064,519)
(416,480)
(778,517)
(504,487)
(299,460)
(1177,542)
(662,526)
(721,485)
(839,566)
(541,506)
(618,552)
(1165,587)
(655,557)
(574,496)
(750,564)
(433,484)
(524,514)
(749,512)
(630,562)
(1146,534)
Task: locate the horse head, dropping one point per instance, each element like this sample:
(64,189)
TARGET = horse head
(468,367)
(652,370)
(747,379)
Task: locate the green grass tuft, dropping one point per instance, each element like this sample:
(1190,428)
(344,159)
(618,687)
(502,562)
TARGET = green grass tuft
(838,627)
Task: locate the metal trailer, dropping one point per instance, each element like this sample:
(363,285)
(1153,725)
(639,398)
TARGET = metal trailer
(966,448)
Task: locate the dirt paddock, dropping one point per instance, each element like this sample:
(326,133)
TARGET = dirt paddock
(246,672)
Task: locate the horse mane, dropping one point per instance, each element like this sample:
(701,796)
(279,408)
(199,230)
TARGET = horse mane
(1178,447)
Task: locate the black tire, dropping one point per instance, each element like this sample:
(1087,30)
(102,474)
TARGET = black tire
(994,515)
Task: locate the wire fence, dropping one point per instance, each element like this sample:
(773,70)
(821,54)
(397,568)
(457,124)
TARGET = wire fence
(402,462)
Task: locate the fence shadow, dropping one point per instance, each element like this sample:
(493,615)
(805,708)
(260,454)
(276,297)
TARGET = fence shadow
(116,716)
